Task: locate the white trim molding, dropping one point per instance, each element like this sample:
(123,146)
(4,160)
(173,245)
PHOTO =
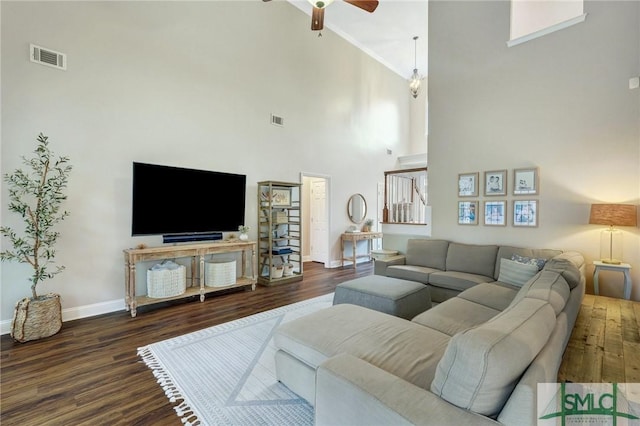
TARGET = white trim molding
(78,312)
(547,30)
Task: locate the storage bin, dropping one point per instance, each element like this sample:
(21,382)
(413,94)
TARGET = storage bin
(277,271)
(166,282)
(279,217)
(220,273)
(288,269)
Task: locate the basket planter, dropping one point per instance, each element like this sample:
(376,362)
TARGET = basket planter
(37,318)
(166,282)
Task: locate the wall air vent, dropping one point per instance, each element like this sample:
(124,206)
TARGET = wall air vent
(277,121)
(48,57)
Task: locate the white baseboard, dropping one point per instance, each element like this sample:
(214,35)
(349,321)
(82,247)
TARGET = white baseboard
(78,312)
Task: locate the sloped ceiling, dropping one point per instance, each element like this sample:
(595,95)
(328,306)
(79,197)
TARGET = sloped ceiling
(386,34)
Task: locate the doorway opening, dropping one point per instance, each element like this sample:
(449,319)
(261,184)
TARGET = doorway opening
(315,218)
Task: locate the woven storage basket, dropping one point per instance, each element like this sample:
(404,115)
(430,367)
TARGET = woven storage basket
(220,273)
(166,282)
(35,319)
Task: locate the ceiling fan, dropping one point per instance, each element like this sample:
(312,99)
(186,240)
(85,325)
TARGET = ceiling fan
(317,16)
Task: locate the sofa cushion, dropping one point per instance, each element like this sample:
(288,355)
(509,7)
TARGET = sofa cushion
(407,350)
(455,315)
(482,365)
(427,252)
(457,280)
(492,295)
(410,272)
(507,252)
(572,256)
(548,286)
(516,273)
(566,268)
(471,258)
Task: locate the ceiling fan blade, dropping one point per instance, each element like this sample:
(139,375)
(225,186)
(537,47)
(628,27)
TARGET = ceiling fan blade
(317,19)
(368,5)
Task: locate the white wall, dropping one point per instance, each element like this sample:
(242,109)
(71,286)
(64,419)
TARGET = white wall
(560,103)
(188,84)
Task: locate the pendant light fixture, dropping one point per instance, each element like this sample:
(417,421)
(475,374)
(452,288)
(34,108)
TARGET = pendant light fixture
(416,79)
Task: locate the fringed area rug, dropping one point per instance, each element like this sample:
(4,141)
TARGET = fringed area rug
(225,375)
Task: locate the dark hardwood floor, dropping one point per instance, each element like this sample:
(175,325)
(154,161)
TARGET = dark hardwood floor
(90,374)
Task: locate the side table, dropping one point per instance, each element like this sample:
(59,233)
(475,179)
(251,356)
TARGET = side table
(622,267)
(354,237)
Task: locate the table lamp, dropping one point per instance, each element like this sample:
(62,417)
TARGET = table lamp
(611,239)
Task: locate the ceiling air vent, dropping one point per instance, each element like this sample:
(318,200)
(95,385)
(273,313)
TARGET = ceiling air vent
(277,121)
(48,57)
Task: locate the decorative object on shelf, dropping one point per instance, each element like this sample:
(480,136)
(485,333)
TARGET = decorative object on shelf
(495,182)
(280,216)
(368,224)
(279,232)
(279,197)
(525,181)
(416,79)
(467,212)
(468,184)
(244,232)
(37,194)
(611,238)
(495,213)
(357,208)
(525,213)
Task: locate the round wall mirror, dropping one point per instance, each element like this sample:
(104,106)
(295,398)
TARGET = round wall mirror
(357,208)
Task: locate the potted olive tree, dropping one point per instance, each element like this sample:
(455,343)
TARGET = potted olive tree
(36,194)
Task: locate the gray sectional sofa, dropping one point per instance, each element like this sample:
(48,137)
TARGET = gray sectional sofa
(474,359)
(449,267)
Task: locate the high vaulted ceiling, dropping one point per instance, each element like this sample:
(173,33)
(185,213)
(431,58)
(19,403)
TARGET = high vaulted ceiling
(386,34)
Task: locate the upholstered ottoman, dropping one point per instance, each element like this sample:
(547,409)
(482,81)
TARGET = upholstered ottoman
(401,298)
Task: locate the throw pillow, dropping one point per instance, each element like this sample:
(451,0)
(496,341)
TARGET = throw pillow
(529,260)
(516,273)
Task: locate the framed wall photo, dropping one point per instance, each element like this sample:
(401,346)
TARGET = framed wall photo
(495,213)
(467,212)
(495,182)
(525,213)
(468,184)
(281,197)
(525,181)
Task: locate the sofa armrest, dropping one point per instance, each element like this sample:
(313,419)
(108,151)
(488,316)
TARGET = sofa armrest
(352,391)
(380,265)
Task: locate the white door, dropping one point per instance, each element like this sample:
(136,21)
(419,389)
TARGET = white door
(319,221)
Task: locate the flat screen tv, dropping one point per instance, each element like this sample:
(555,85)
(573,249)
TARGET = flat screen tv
(173,200)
